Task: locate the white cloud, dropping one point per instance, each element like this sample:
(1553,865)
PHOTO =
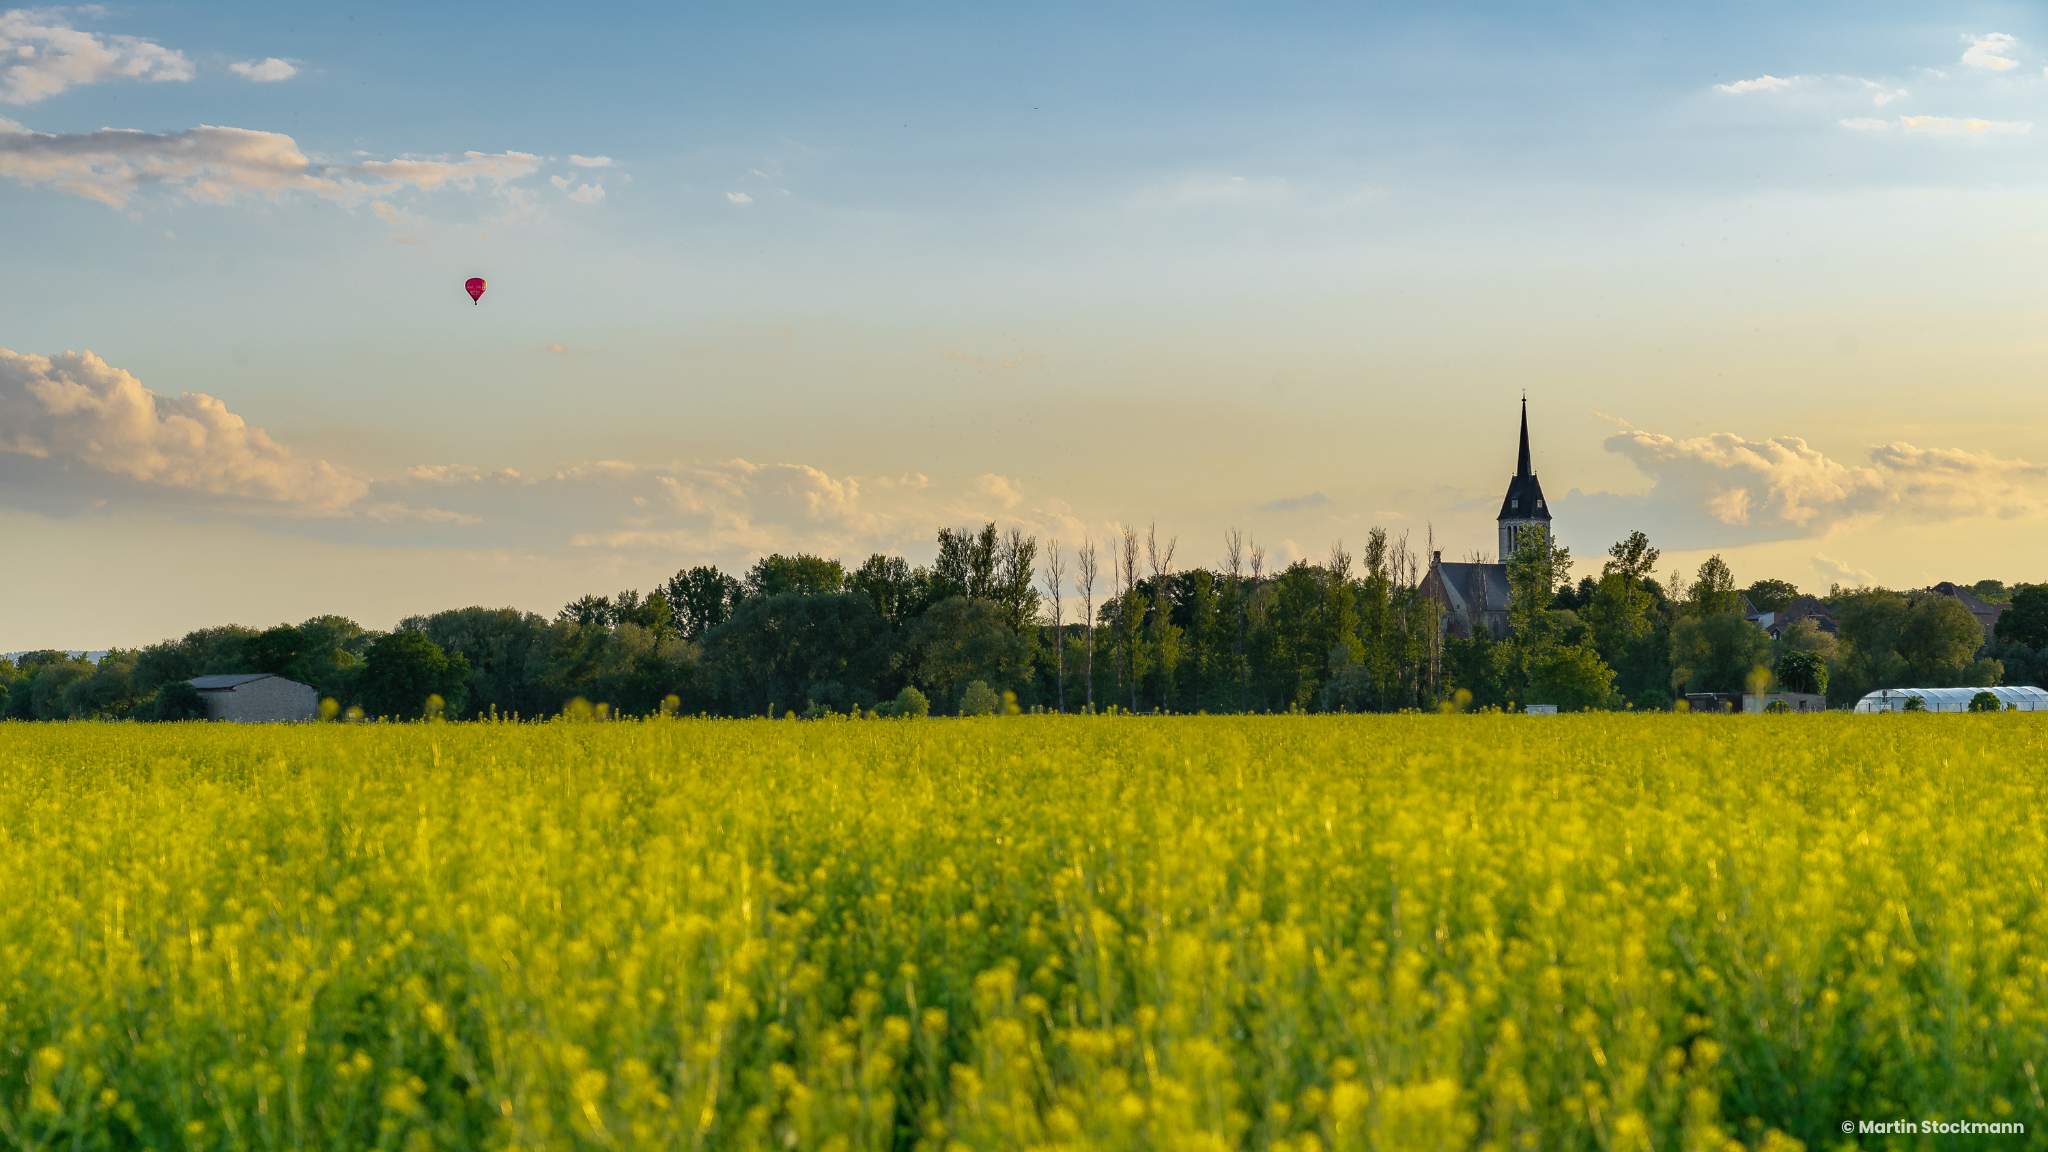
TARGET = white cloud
(1784,488)
(588,194)
(727,511)
(740,198)
(1964,126)
(1836,572)
(80,434)
(590,161)
(1991,52)
(1764,83)
(216,164)
(465,171)
(1204,190)
(270,70)
(75,411)
(459,474)
(42,55)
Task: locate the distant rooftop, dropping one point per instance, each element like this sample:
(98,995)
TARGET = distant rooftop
(228,681)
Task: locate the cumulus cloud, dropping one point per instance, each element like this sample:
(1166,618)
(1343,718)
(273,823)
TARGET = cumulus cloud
(1938,126)
(77,433)
(460,474)
(77,413)
(465,171)
(740,198)
(587,194)
(590,161)
(42,55)
(270,70)
(1964,126)
(1991,52)
(216,164)
(1764,83)
(1836,572)
(1733,488)
(726,510)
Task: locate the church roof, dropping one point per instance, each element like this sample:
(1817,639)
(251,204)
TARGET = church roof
(1475,584)
(1524,500)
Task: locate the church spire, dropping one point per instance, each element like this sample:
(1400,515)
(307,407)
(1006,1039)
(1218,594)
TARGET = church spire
(1522,461)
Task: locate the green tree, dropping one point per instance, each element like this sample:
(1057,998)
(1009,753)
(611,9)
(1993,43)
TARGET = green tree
(108,692)
(403,669)
(979,700)
(1802,671)
(178,700)
(500,646)
(1868,623)
(1571,676)
(898,592)
(1938,640)
(2025,621)
(701,598)
(1537,569)
(1985,702)
(1771,595)
(1716,652)
(802,575)
(959,640)
(786,652)
(1713,589)
(49,695)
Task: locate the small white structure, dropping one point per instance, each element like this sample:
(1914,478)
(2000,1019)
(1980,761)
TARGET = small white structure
(2026,699)
(257,697)
(1792,701)
(1541,709)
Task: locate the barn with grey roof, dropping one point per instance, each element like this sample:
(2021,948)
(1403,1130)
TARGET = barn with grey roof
(256,698)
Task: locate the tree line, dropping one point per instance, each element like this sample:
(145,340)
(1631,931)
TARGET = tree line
(999,622)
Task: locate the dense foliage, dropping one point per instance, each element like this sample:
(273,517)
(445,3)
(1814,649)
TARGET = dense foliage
(1354,633)
(1420,932)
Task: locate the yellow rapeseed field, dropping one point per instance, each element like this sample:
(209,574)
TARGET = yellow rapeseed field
(1623,932)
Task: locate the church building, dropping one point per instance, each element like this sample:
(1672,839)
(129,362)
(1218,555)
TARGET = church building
(1475,595)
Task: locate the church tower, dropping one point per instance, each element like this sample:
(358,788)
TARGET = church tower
(1524,507)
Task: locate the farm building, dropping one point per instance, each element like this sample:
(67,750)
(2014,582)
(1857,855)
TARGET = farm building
(1952,699)
(256,697)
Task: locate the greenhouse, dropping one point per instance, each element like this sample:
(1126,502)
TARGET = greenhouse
(1952,699)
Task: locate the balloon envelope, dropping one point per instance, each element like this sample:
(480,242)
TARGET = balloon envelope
(475,285)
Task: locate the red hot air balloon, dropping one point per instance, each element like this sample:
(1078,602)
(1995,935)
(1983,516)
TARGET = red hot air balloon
(475,285)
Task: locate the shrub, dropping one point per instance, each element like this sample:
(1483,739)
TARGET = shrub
(979,700)
(1803,672)
(1985,702)
(178,700)
(1915,704)
(910,704)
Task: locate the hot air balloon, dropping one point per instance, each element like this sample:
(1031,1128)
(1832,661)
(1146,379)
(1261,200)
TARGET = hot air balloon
(475,285)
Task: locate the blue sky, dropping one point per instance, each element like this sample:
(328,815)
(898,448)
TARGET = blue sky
(844,275)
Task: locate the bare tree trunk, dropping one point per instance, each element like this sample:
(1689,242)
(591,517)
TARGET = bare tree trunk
(1436,630)
(1055,580)
(1244,624)
(1233,568)
(1130,575)
(1087,565)
(1161,563)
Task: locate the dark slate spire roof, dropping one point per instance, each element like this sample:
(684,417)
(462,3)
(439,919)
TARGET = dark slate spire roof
(1524,500)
